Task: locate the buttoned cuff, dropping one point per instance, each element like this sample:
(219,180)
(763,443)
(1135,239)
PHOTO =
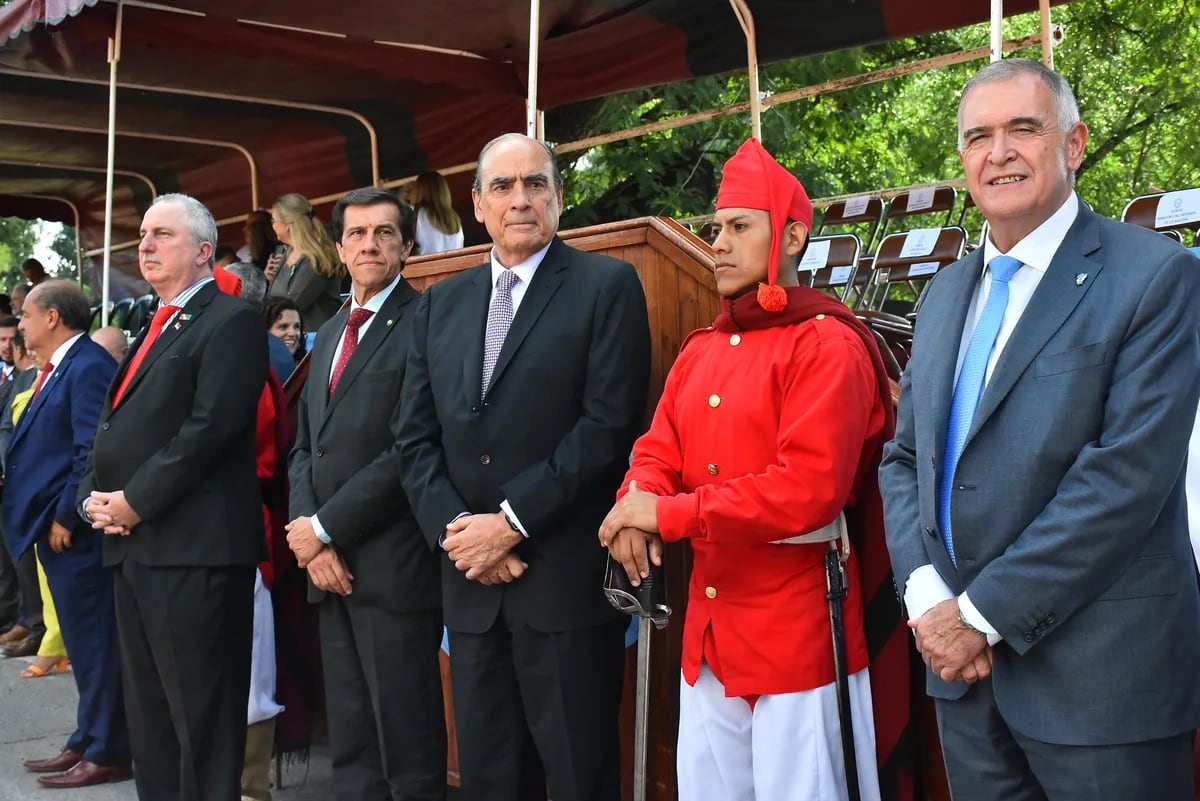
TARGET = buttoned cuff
(506,507)
(924,589)
(319,530)
(977,620)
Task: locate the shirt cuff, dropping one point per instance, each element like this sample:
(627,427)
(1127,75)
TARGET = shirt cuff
(977,621)
(924,589)
(506,507)
(319,530)
(442,539)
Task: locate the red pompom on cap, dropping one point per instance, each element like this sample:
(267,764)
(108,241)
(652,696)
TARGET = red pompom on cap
(772,297)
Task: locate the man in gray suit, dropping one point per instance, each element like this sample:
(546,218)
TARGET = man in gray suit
(1034,491)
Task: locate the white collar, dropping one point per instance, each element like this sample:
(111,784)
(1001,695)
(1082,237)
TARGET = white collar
(1038,247)
(523,270)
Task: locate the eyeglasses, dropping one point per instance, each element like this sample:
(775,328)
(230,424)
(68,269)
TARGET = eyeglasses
(280,222)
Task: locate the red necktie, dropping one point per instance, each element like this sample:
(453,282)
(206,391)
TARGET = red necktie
(47,369)
(357,318)
(156,326)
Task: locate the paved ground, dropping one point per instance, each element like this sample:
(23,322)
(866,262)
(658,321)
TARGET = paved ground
(36,717)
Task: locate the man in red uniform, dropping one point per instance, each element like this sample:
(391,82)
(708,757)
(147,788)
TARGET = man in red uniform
(764,446)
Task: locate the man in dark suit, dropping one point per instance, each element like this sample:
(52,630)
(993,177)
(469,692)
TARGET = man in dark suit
(47,456)
(373,573)
(172,480)
(1034,491)
(525,388)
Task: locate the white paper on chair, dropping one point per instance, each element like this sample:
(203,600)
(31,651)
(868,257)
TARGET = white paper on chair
(839,275)
(1177,208)
(920,199)
(919,242)
(816,257)
(857,205)
(923,268)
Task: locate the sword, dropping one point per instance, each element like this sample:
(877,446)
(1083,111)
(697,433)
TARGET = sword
(836,586)
(647,602)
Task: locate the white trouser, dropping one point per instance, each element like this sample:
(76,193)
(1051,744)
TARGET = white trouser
(788,748)
(262,704)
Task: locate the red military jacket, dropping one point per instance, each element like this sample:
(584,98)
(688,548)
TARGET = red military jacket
(764,433)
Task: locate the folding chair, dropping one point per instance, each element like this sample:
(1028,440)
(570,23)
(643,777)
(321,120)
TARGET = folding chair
(140,314)
(937,202)
(863,210)
(120,312)
(830,263)
(911,257)
(968,206)
(1169,211)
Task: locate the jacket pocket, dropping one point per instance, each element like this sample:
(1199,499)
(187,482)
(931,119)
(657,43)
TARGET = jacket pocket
(1067,361)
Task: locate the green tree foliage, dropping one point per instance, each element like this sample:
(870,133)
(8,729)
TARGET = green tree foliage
(64,249)
(1133,65)
(17,238)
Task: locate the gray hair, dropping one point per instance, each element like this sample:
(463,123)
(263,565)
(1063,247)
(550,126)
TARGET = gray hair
(477,187)
(199,219)
(1066,108)
(254,283)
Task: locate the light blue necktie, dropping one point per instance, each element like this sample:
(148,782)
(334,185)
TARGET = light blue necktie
(970,386)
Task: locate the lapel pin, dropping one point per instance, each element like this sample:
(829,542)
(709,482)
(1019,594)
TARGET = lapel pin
(183,318)
(389,323)
(178,325)
(1079,279)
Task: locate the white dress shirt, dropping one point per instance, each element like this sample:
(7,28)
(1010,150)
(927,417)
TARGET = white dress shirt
(524,272)
(924,587)
(373,305)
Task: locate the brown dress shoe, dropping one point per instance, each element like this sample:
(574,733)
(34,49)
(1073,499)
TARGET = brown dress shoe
(14,634)
(85,774)
(55,764)
(26,647)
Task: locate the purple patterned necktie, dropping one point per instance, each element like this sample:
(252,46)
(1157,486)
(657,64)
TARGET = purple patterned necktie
(500,316)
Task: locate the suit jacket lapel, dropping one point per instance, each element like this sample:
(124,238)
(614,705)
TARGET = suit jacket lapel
(321,365)
(474,329)
(1052,303)
(184,320)
(947,331)
(51,385)
(381,326)
(545,283)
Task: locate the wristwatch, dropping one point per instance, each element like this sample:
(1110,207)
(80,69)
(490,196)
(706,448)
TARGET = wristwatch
(967,625)
(511,523)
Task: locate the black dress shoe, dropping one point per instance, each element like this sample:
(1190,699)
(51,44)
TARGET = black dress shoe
(26,647)
(85,774)
(55,764)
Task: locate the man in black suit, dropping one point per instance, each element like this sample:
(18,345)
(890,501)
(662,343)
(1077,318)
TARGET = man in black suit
(172,481)
(525,388)
(374,575)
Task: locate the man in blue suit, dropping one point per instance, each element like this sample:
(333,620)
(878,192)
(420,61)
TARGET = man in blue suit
(47,456)
(1034,493)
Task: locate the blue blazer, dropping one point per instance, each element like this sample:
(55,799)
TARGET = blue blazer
(1070,522)
(48,452)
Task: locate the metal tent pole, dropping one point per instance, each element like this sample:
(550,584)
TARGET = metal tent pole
(114,57)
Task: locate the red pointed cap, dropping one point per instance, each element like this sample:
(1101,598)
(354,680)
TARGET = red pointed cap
(753,179)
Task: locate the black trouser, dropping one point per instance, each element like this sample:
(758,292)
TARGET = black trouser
(525,699)
(383,690)
(186,635)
